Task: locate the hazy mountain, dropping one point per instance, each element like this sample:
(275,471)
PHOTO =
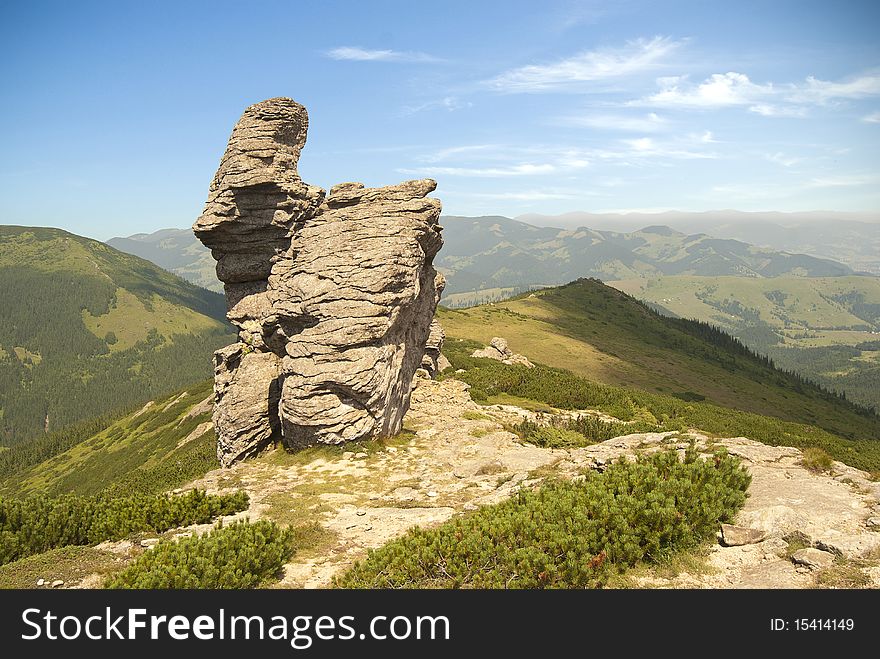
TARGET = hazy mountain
(482,253)
(87,329)
(176,250)
(489,252)
(850,238)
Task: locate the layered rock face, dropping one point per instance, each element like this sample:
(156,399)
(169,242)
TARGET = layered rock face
(434,362)
(333,298)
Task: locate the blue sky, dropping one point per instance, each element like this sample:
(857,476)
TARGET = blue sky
(115,115)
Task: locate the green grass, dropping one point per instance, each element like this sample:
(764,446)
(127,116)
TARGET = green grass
(68,564)
(137,453)
(599,333)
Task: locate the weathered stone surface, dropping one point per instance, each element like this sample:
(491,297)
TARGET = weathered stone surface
(499,350)
(433,362)
(354,297)
(333,298)
(257,195)
(246,391)
(736,536)
(815,559)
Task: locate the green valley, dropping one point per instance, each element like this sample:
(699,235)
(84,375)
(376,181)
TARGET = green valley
(825,328)
(88,330)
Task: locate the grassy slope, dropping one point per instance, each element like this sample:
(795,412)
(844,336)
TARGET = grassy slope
(808,325)
(142,451)
(87,329)
(801,303)
(600,333)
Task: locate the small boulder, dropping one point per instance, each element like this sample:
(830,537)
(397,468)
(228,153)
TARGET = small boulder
(736,536)
(500,351)
(146,543)
(815,559)
(873,523)
(57,583)
(41,583)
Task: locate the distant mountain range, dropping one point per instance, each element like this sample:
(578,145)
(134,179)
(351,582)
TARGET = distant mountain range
(176,250)
(848,237)
(487,252)
(494,252)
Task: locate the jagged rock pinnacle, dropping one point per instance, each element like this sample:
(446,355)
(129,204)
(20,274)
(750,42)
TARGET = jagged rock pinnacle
(333,298)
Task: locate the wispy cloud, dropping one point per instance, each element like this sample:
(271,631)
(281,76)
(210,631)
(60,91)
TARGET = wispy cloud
(648,123)
(528,195)
(506,161)
(844,181)
(873,118)
(782,159)
(768,110)
(600,64)
(522,169)
(448,103)
(821,91)
(356,54)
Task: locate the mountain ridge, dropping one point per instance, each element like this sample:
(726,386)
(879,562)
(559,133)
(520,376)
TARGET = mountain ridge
(494,251)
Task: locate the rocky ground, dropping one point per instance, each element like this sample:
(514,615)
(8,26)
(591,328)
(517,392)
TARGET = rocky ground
(800,529)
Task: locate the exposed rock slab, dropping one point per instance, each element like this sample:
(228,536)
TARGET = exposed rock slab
(500,351)
(812,558)
(461,457)
(333,297)
(736,536)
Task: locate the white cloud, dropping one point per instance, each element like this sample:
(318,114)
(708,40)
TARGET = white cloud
(355,54)
(782,159)
(648,123)
(646,147)
(768,110)
(637,56)
(734,89)
(719,90)
(873,118)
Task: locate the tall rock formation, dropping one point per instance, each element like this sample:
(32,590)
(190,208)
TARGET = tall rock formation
(333,298)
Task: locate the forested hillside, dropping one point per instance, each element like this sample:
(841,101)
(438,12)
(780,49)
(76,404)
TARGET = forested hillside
(86,329)
(606,336)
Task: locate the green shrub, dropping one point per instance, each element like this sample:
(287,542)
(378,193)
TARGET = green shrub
(40,523)
(817,460)
(238,556)
(563,432)
(567,534)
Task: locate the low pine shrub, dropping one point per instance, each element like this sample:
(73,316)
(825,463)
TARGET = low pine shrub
(567,534)
(817,460)
(40,523)
(562,432)
(241,555)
